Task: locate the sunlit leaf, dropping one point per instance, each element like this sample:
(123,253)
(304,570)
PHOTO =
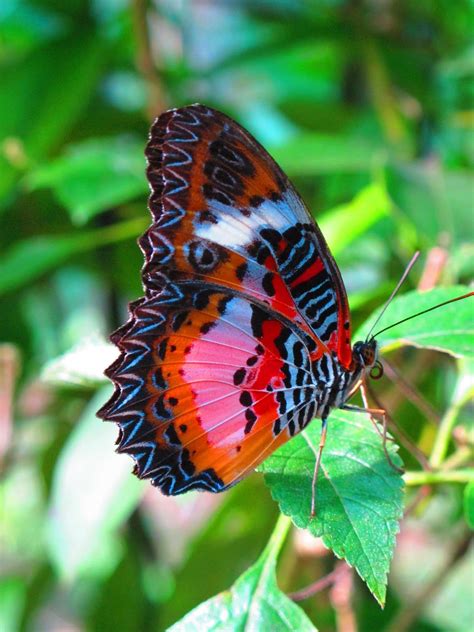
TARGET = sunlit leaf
(343,224)
(253,603)
(12,598)
(312,154)
(449,329)
(95,176)
(83,366)
(93,493)
(359,495)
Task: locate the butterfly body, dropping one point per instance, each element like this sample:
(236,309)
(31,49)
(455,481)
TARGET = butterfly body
(243,335)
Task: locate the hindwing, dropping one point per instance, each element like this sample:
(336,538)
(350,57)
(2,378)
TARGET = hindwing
(207,386)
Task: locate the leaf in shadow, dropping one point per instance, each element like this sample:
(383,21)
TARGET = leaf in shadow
(29,259)
(94,176)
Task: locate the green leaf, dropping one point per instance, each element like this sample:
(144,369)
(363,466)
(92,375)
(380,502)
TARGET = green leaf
(417,187)
(254,602)
(110,610)
(359,495)
(29,259)
(93,493)
(449,329)
(94,176)
(232,533)
(469,504)
(343,224)
(81,366)
(38,107)
(12,598)
(311,154)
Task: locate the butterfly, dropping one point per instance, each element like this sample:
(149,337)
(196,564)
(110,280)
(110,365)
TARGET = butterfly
(243,335)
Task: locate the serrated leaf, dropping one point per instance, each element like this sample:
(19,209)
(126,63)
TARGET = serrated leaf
(253,603)
(469,504)
(93,493)
(359,495)
(449,329)
(94,176)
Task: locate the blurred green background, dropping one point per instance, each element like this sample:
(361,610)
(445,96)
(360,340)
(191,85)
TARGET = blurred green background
(367,105)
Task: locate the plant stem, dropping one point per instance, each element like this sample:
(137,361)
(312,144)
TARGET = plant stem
(383,99)
(448,422)
(277,537)
(341,599)
(462,457)
(317,586)
(411,393)
(144,59)
(413,479)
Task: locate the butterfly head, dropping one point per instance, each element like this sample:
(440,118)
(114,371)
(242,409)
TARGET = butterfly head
(365,355)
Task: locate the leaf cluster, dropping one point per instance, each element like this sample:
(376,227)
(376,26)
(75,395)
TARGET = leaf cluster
(368,108)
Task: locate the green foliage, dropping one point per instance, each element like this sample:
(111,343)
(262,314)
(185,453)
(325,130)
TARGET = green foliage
(94,176)
(345,223)
(469,504)
(359,495)
(109,498)
(314,154)
(254,602)
(31,258)
(41,104)
(451,329)
(368,107)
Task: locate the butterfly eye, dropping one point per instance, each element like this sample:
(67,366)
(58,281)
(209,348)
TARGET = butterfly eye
(376,372)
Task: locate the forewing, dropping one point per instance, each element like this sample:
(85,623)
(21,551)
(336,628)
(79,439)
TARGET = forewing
(225,213)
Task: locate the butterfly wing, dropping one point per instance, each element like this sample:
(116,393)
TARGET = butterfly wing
(225,213)
(208,384)
(242,298)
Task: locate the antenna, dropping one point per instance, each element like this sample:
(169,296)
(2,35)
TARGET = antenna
(425,311)
(394,292)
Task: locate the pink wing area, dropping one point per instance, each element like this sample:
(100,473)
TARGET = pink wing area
(208,384)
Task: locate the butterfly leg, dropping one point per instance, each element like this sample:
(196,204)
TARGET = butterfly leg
(322,441)
(373,412)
